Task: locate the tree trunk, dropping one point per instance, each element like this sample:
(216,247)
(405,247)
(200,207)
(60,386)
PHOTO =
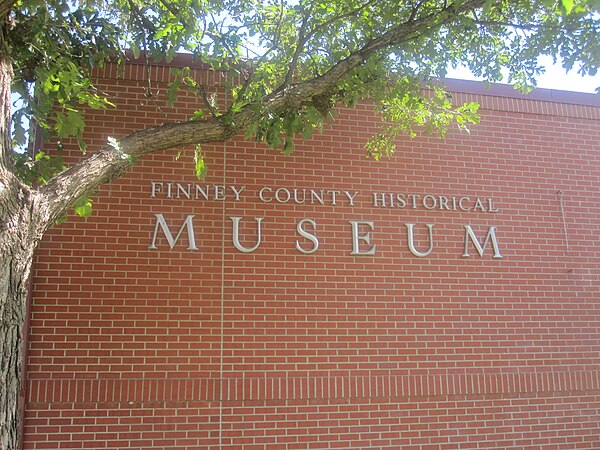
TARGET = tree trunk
(19,234)
(16,254)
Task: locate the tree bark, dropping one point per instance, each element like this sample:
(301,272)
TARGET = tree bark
(17,244)
(18,239)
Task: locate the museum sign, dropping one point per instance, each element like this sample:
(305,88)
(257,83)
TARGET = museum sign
(361,231)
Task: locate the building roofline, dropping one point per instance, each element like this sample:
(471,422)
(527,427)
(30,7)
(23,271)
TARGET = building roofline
(508,91)
(452,85)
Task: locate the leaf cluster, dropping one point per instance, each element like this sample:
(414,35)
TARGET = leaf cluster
(271,48)
(54,45)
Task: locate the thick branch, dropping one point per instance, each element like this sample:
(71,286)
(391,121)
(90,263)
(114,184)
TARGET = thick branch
(116,158)
(394,37)
(299,48)
(109,163)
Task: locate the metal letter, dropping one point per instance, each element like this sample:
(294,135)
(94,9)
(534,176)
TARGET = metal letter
(296,199)
(401,199)
(236,192)
(365,237)
(316,195)
(333,196)
(425,202)
(156,187)
(307,235)
(181,189)
(261,196)
(236,235)
(491,207)
(375,199)
(460,204)
(478,205)
(481,248)
(219,192)
(411,241)
(286,197)
(203,192)
(444,203)
(414,198)
(350,197)
(160,221)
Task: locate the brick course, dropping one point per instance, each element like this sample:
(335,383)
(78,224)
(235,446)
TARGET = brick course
(159,349)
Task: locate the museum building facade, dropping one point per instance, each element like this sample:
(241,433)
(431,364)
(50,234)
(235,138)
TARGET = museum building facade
(445,298)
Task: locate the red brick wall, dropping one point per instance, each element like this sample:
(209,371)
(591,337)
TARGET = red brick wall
(160,349)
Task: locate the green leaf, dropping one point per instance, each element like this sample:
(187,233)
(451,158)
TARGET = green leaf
(135,49)
(70,124)
(237,107)
(82,144)
(199,164)
(288,146)
(83,207)
(567,5)
(19,134)
(198,114)
(174,87)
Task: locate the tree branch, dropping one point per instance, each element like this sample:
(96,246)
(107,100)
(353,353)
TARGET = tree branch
(209,105)
(302,39)
(404,32)
(59,194)
(275,42)
(330,22)
(173,10)
(144,22)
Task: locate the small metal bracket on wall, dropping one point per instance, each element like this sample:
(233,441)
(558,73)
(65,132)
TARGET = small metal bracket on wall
(562,211)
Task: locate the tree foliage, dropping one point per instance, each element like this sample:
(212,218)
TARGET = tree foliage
(271,46)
